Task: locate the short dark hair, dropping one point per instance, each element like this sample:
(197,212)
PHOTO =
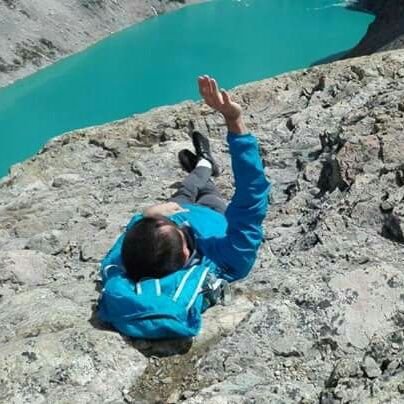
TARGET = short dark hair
(152,248)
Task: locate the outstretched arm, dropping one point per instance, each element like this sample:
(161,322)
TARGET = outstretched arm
(236,252)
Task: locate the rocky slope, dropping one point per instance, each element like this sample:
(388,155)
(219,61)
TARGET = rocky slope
(36,33)
(386,32)
(320,319)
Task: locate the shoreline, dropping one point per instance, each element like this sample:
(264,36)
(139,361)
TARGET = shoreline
(387,30)
(61,132)
(31,42)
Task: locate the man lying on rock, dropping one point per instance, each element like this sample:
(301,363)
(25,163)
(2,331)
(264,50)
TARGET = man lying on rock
(174,260)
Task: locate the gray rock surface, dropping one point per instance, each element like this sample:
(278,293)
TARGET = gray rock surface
(321,317)
(36,33)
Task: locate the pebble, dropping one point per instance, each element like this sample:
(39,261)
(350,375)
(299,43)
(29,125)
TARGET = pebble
(174,397)
(371,368)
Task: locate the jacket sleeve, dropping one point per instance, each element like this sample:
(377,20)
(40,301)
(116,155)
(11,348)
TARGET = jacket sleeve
(235,253)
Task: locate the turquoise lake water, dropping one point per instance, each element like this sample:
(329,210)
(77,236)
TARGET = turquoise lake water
(156,63)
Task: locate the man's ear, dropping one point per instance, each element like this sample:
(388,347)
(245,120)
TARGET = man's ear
(185,250)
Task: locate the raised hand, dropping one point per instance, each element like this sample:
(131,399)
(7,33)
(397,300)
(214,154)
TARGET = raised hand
(219,100)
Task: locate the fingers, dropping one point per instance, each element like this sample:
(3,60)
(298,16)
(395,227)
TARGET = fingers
(208,89)
(205,89)
(226,96)
(212,86)
(202,85)
(215,92)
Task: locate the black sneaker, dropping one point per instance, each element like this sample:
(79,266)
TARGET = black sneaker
(187,159)
(202,149)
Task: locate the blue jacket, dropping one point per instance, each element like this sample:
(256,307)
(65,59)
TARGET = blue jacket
(228,244)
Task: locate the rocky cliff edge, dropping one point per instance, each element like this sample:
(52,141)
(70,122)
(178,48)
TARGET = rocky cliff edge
(320,319)
(386,32)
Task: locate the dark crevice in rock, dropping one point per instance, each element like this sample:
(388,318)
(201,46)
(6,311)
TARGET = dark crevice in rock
(83,257)
(314,155)
(300,164)
(330,177)
(292,353)
(392,228)
(381,149)
(310,241)
(93,4)
(318,87)
(331,142)
(291,191)
(111,151)
(325,343)
(290,125)
(400,176)
(398,319)
(386,207)
(10,3)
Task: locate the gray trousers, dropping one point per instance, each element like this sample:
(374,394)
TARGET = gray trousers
(198,188)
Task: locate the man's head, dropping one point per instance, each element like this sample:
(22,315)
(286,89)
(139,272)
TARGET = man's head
(154,247)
